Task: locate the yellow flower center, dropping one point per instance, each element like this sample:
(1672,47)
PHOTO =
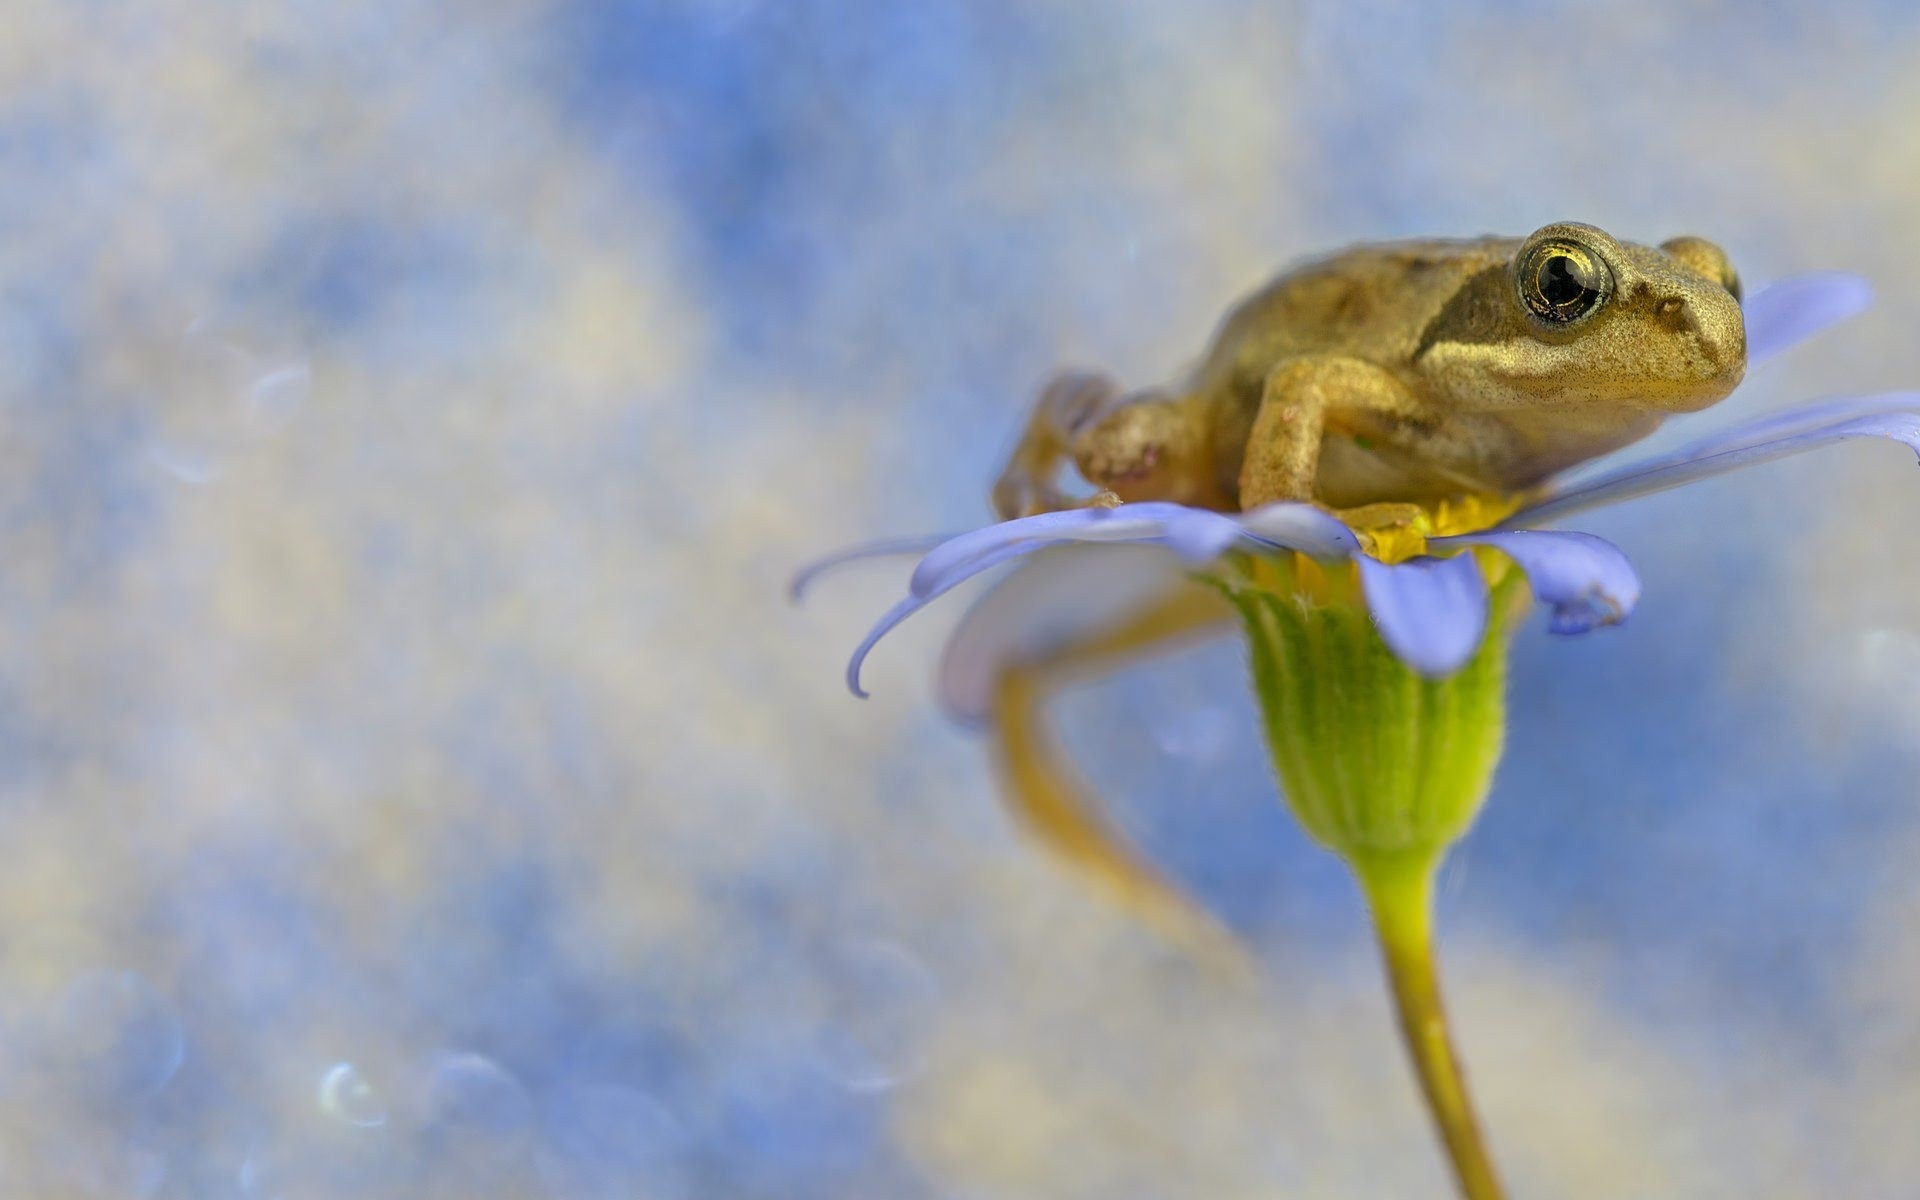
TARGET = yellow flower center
(1396,532)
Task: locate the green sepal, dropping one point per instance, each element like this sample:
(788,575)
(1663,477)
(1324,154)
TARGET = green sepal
(1381,764)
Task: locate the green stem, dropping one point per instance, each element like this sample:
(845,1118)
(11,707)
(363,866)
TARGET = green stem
(1399,890)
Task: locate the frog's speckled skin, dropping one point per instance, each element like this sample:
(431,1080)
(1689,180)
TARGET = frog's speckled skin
(1403,372)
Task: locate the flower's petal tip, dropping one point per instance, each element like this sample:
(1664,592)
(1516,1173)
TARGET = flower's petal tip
(854,664)
(1587,581)
(1789,312)
(1588,612)
(803,579)
(881,628)
(1431,612)
(1435,665)
(1861,290)
(1571,622)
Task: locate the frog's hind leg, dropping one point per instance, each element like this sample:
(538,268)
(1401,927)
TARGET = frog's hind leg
(1131,446)
(1030,482)
(1150,446)
(1047,795)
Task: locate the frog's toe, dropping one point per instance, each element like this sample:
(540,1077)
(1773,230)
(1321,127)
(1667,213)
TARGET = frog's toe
(1022,495)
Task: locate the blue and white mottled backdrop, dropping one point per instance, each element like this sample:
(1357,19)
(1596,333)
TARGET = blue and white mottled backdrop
(412,783)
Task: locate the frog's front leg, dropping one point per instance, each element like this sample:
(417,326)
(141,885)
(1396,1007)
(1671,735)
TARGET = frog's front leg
(1303,399)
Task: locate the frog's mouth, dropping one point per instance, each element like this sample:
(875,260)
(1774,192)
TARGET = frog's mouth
(1717,364)
(1663,370)
(1689,400)
(1706,338)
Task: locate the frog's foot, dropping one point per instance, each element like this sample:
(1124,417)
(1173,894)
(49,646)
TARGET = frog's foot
(1145,449)
(1029,484)
(1025,499)
(1395,531)
(1384,514)
(1022,494)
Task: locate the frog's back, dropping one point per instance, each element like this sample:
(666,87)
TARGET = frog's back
(1372,302)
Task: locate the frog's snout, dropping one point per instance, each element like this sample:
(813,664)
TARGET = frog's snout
(1722,332)
(1710,325)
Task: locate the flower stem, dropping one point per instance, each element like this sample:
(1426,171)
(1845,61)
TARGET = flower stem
(1399,891)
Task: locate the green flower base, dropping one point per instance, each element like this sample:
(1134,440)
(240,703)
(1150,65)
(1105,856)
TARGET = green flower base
(1377,761)
(1386,768)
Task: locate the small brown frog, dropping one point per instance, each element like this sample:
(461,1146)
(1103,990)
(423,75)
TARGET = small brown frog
(1408,371)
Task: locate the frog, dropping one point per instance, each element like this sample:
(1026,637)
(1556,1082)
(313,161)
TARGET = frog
(1404,372)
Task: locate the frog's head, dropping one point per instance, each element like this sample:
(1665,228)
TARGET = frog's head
(1576,317)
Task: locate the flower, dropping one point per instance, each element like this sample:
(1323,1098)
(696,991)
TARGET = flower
(1377,645)
(1427,598)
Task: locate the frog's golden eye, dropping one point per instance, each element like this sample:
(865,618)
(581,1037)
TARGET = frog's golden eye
(1563,281)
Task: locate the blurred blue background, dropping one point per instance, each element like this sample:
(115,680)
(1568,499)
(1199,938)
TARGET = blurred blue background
(413,784)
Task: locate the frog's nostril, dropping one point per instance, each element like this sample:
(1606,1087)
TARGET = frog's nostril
(1676,314)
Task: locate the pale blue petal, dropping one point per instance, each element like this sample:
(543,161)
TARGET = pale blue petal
(1129,522)
(913,603)
(1586,580)
(1794,309)
(1200,535)
(1194,535)
(1644,479)
(1052,600)
(1197,535)
(882,548)
(1778,425)
(1431,612)
(1301,527)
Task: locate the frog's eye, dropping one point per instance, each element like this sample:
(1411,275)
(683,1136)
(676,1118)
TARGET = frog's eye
(1563,281)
